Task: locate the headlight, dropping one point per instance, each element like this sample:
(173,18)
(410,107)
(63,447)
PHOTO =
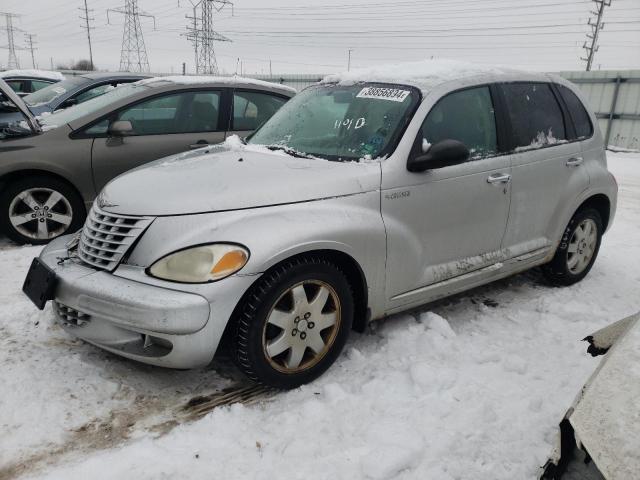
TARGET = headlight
(202,264)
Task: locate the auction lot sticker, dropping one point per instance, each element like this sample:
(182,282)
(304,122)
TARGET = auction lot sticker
(377,93)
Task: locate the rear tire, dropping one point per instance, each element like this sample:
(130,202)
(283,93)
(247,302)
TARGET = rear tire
(293,323)
(578,249)
(36,209)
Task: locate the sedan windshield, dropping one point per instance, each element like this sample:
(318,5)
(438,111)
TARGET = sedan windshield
(53,91)
(90,106)
(341,123)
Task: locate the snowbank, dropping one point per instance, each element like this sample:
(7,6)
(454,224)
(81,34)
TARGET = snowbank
(45,74)
(469,388)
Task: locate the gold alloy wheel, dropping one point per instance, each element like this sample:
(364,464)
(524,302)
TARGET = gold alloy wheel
(301,326)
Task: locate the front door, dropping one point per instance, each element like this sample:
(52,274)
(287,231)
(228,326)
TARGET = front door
(450,221)
(162,126)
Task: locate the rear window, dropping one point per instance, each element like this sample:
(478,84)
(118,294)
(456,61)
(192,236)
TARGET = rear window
(535,116)
(579,115)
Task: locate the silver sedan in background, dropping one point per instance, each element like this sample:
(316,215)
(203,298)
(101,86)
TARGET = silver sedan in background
(51,169)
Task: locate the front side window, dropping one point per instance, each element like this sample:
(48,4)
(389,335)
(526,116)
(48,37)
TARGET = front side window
(534,114)
(252,109)
(176,113)
(579,115)
(467,116)
(341,123)
(93,92)
(39,85)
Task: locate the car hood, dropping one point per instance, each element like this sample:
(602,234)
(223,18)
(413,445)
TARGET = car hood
(13,97)
(222,179)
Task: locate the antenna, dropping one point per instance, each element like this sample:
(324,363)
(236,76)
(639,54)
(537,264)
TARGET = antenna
(133,56)
(202,35)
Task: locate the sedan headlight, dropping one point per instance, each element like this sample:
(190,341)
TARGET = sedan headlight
(201,264)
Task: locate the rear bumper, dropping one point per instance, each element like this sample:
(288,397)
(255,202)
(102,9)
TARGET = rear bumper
(148,323)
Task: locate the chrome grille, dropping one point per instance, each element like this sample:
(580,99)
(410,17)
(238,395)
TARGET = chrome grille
(71,317)
(106,237)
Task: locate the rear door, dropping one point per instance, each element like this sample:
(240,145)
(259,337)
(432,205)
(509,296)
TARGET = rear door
(250,109)
(166,124)
(547,164)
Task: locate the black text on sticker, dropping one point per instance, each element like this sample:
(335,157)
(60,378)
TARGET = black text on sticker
(393,94)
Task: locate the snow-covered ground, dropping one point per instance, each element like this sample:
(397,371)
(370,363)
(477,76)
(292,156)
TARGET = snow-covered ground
(472,387)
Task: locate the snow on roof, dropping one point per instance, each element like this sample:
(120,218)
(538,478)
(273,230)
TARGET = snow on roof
(235,80)
(424,74)
(46,74)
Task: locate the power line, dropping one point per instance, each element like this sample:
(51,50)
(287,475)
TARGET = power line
(203,36)
(133,56)
(87,19)
(595,31)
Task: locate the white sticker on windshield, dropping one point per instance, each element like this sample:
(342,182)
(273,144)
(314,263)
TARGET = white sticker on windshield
(393,94)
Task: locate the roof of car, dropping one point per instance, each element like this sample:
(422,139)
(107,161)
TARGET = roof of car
(32,73)
(426,74)
(107,75)
(210,79)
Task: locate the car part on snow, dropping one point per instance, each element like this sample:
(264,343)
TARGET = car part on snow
(596,430)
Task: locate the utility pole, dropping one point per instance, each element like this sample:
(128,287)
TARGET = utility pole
(133,56)
(87,26)
(595,32)
(11,44)
(202,35)
(349,60)
(29,37)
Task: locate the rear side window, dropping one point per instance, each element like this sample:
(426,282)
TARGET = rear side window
(466,116)
(252,109)
(535,115)
(39,84)
(579,115)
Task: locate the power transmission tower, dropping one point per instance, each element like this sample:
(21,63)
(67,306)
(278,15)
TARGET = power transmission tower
(11,44)
(87,26)
(133,56)
(29,38)
(595,32)
(202,35)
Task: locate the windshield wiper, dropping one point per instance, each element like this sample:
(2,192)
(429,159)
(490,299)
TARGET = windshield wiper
(288,151)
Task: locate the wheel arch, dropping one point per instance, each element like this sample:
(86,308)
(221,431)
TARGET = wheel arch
(601,203)
(9,177)
(349,266)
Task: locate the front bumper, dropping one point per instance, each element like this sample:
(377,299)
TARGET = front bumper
(153,324)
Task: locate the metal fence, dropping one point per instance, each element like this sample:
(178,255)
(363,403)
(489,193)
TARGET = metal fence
(615,97)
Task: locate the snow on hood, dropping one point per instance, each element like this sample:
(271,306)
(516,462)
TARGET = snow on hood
(46,74)
(233,176)
(424,74)
(235,80)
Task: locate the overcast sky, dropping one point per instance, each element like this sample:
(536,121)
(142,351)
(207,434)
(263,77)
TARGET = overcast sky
(308,36)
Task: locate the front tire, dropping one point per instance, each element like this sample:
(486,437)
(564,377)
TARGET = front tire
(578,249)
(294,323)
(38,209)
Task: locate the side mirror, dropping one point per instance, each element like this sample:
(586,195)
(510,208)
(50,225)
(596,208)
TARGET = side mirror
(120,128)
(445,153)
(70,102)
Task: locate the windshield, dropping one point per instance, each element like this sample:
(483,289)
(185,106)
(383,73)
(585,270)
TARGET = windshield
(90,106)
(53,91)
(341,123)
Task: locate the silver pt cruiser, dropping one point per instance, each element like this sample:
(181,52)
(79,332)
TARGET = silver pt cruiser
(368,194)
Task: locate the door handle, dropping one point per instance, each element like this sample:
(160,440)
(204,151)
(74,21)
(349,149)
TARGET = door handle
(574,162)
(499,178)
(198,144)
